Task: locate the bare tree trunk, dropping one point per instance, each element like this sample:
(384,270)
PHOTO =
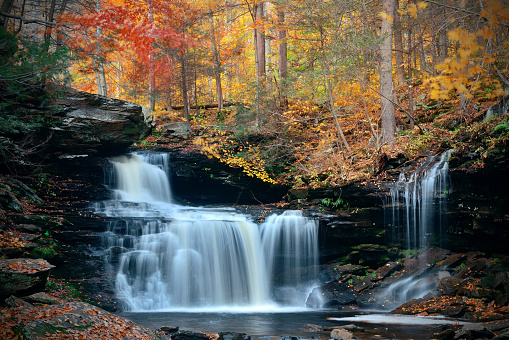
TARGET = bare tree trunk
(398,47)
(6,8)
(101,73)
(386,84)
(283,59)
(151,71)
(217,64)
(185,98)
(259,41)
(422,52)
(195,80)
(443,41)
(49,30)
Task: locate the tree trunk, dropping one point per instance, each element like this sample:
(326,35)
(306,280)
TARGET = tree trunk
(259,40)
(151,70)
(6,8)
(102,87)
(283,59)
(217,64)
(398,47)
(49,30)
(386,84)
(185,98)
(443,41)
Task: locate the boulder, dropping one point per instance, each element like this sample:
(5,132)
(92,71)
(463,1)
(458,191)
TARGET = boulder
(334,294)
(448,285)
(173,132)
(20,277)
(8,199)
(42,298)
(94,125)
(341,334)
(188,335)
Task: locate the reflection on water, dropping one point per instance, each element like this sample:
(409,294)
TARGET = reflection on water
(262,325)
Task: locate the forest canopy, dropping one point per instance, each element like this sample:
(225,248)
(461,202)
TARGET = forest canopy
(307,92)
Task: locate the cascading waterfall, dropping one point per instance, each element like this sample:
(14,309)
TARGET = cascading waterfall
(418,211)
(172,257)
(419,202)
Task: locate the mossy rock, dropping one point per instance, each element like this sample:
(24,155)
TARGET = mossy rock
(23,276)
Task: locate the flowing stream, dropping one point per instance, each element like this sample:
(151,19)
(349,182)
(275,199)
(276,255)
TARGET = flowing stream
(180,258)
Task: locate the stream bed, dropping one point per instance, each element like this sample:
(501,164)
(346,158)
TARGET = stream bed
(292,324)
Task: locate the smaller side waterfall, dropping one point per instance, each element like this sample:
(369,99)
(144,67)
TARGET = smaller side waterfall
(417,218)
(419,203)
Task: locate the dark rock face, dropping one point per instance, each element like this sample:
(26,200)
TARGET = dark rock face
(198,180)
(94,125)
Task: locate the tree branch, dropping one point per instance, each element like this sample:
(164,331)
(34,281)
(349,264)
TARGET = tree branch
(28,21)
(460,10)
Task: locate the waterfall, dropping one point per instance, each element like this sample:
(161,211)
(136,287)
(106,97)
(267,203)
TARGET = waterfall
(173,257)
(418,207)
(418,203)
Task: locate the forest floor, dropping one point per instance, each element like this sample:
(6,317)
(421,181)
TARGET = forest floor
(299,146)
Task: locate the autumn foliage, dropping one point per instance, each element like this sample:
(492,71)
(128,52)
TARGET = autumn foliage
(322,118)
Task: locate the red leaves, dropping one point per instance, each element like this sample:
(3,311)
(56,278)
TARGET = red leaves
(25,266)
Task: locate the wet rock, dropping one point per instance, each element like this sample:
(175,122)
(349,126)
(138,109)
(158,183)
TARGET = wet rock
(453,261)
(448,285)
(372,255)
(312,328)
(352,328)
(94,125)
(23,276)
(474,268)
(336,272)
(474,334)
(42,298)
(472,289)
(188,335)
(23,189)
(169,329)
(341,334)
(333,294)
(386,270)
(8,199)
(29,228)
(233,336)
(447,334)
(13,301)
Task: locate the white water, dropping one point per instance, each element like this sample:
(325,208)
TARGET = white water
(418,208)
(183,258)
(423,197)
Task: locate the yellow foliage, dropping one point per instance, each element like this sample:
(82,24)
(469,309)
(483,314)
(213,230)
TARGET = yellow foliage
(386,16)
(216,147)
(422,5)
(412,10)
